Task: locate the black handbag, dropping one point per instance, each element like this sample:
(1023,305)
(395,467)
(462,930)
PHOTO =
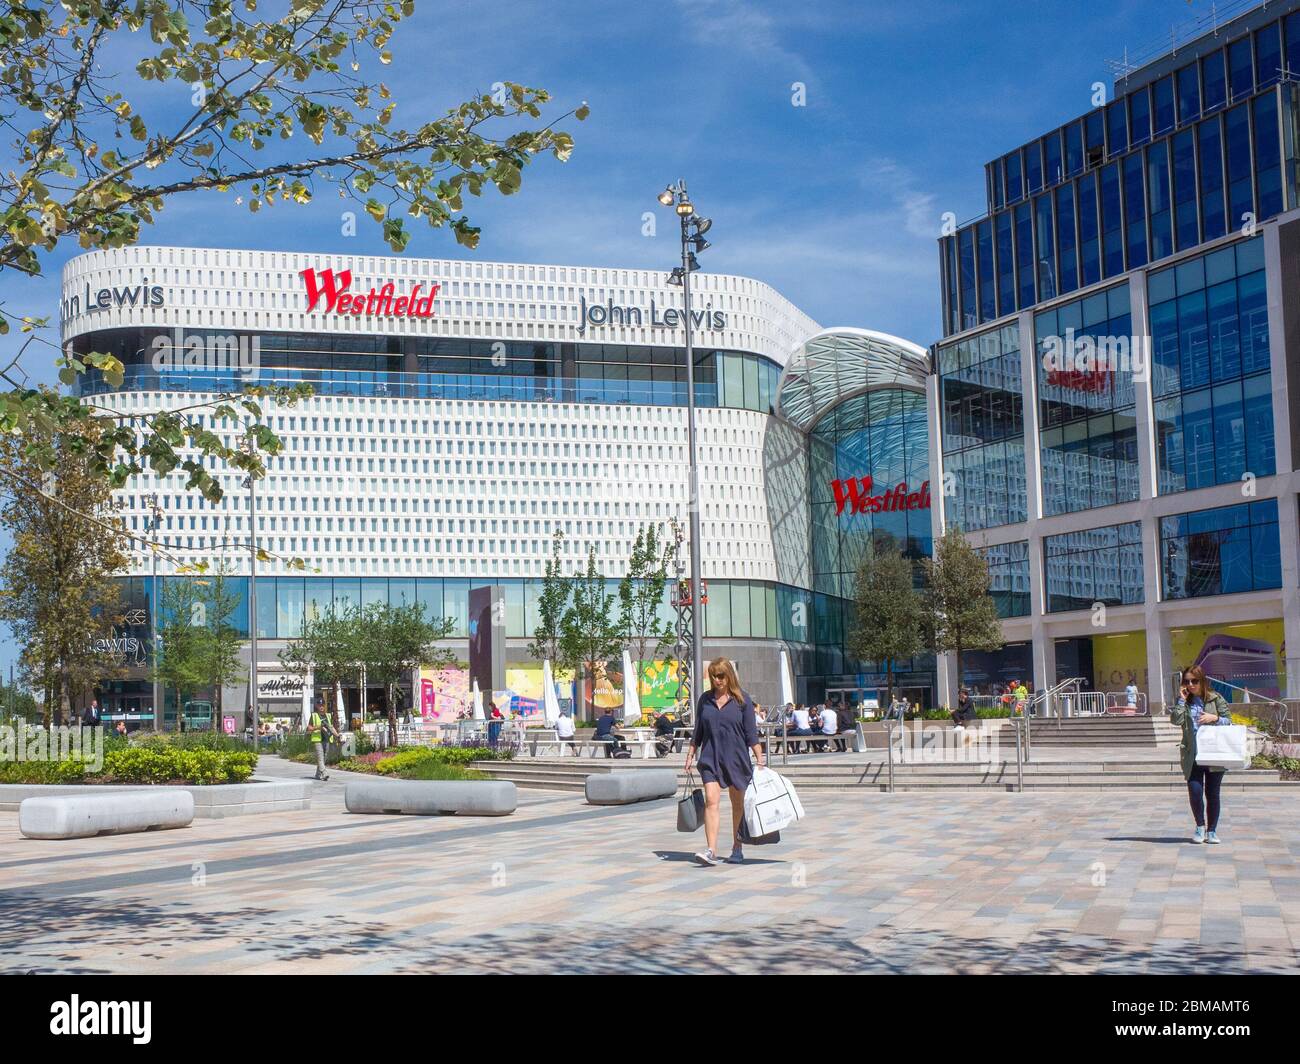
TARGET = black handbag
(690,807)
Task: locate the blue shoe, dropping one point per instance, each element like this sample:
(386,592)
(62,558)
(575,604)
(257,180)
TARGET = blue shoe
(1212,838)
(1199,836)
(737,856)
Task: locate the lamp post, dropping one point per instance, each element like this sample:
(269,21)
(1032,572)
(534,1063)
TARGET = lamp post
(250,483)
(693,228)
(155,519)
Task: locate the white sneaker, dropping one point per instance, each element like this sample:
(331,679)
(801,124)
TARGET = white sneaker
(1212,838)
(1199,836)
(706,858)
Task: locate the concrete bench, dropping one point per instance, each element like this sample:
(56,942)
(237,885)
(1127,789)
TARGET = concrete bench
(431,797)
(636,785)
(79,816)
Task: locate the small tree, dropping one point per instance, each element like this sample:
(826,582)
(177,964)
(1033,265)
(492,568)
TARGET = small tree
(960,614)
(330,649)
(641,596)
(550,606)
(178,664)
(888,608)
(221,640)
(396,640)
(590,631)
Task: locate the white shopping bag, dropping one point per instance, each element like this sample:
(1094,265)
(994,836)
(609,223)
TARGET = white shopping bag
(1222,746)
(770,803)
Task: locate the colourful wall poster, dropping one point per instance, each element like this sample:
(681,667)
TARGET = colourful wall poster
(1250,656)
(444,694)
(524,689)
(1118,659)
(656,689)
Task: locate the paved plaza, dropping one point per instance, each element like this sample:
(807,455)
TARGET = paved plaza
(956,882)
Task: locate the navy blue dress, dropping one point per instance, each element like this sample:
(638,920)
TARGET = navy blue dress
(723,737)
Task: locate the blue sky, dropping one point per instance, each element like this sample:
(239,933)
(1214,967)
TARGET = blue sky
(837,204)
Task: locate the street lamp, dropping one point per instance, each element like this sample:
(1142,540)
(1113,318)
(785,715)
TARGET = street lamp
(249,483)
(693,228)
(155,520)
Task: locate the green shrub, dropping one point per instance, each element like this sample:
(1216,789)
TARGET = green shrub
(164,764)
(1289,767)
(437,770)
(70,771)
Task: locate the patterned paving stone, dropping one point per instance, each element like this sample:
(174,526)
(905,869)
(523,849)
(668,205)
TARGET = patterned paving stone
(1001,883)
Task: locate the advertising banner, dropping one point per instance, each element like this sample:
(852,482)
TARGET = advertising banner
(1250,656)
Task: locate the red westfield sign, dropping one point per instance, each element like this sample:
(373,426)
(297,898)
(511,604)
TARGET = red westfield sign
(855,492)
(333,289)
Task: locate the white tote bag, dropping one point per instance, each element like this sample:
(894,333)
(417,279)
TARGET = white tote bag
(1222,746)
(770,803)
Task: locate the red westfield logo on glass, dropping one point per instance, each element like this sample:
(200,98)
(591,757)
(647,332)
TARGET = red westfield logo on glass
(333,289)
(855,492)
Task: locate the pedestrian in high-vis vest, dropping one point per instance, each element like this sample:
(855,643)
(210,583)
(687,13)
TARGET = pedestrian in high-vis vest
(316,729)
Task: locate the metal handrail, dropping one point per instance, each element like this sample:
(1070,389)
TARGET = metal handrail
(1280,710)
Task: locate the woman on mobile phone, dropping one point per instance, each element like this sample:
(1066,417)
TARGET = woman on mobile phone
(1199,706)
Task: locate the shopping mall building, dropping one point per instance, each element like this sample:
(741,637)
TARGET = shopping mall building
(1112,392)
(465,411)
(1107,416)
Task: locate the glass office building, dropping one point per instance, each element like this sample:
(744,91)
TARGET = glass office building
(1112,391)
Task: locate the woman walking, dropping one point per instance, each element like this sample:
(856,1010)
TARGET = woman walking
(725,735)
(1199,705)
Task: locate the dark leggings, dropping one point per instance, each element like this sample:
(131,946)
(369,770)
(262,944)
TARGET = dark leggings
(1203,791)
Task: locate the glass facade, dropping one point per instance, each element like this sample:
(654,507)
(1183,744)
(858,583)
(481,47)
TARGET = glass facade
(1086,413)
(1098,565)
(1009,577)
(439,368)
(982,394)
(1219,119)
(1211,374)
(869,472)
(1217,552)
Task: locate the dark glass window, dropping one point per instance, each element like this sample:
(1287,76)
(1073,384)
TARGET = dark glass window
(950,270)
(1268,55)
(1241,198)
(1112,222)
(1009,577)
(1117,127)
(1065,238)
(1215,80)
(1218,552)
(984,249)
(1139,118)
(1241,69)
(1268,156)
(1088,427)
(1099,565)
(1006,265)
(1164,97)
(1089,233)
(1292,26)
(1186,230)
(1024,256)
(1052,152)
(1210,372)
(995,176)
(1073,149)
(1015,188)
(982,430)
(1046,248)
(1162,241)
(966,264)
(1189,95)
(1135,212)
(1094,137)
(1214,219)
(1033,168)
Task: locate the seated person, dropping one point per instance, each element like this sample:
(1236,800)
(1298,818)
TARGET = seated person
(848,722)
(564,731)
(830,724)
(663,734)
(801,724)
(607,732)
(965,711)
